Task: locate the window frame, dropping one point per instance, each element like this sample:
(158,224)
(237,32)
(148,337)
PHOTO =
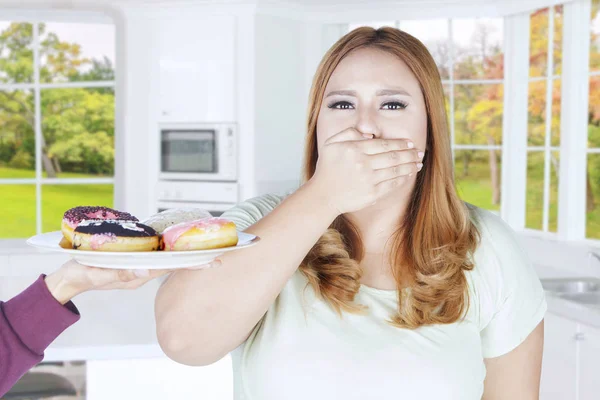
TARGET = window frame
(79,16)
(571,226)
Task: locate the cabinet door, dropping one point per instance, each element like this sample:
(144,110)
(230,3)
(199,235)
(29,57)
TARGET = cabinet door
(559,365)
(589,363)
(158,379)
(197,69)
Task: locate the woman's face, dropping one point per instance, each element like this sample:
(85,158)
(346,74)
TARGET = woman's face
(374,92)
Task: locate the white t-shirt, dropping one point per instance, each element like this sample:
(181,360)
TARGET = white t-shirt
(302,350)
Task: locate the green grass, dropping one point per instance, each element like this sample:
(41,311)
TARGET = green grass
(18,203)
(6,172)
(476,188)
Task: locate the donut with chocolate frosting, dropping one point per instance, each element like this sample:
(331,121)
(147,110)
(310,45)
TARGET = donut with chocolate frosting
(114,235)
(74,216)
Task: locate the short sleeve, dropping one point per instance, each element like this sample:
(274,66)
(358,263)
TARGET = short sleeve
(249,212)
(511,298)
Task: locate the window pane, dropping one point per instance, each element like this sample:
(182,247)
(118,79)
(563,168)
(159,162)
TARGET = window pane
(16,52)
(478,114)
(595,37)
(78,127)
(478,175)
(434,34)
(536,132)
(56,199)
(557,42)
(17,139)
(554,173)
(555,128)
(594,107)
(536,113)
(372,24)
(17,203)
(77,52)
(538,43)
(593,197)
(478,48)
(535,190)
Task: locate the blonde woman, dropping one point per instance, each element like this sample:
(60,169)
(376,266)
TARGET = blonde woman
(373,280)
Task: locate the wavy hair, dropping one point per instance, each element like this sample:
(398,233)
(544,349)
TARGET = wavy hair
(433,245)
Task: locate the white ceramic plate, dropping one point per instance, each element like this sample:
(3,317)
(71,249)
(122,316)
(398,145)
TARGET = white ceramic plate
(139,259)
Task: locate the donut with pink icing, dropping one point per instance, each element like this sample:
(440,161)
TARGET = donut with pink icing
(200,234)
(74,216)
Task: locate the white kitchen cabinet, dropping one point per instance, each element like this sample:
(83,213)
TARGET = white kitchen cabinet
(196,69)
(158,379)
(589,361)
(559,366)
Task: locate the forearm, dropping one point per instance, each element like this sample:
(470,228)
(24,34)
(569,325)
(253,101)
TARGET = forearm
(219,307)
(28,324)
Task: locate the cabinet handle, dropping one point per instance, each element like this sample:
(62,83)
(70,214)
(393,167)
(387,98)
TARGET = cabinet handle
(579,336)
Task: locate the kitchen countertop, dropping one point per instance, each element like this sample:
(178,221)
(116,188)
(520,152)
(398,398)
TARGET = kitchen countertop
(578,312)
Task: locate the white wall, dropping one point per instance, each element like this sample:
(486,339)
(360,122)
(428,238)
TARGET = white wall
(280,102)
(138,170)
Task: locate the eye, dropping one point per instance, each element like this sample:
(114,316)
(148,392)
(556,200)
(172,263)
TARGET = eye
(394,105)
(341,105)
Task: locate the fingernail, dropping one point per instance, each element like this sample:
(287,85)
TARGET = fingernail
(410,145)
(419,166)
(368,135)
(421,155)
(141,273)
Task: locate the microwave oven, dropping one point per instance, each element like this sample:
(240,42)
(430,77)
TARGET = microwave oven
(198,152)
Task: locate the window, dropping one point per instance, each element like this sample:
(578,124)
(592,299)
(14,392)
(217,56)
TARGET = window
(593,156)
(543,119)
(469,55)
(56,122)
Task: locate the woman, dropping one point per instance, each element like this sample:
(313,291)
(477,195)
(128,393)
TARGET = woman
(373,280)
(30,321)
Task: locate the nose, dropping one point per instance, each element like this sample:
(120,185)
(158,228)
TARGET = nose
(366,123)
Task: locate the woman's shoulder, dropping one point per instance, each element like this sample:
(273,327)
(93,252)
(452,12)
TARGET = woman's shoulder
(250,211)
(509,300)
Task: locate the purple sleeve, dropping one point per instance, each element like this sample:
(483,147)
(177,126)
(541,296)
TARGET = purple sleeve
(29,322)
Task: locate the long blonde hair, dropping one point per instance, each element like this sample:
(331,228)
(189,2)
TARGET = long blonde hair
(432,247)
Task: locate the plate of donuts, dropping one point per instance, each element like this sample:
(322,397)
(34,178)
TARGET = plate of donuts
(175,238)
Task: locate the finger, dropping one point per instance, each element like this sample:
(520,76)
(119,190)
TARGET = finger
(349,134)
(127,275)
(212,264)
(386,174)
(390,185)
(377,146)
(392,158)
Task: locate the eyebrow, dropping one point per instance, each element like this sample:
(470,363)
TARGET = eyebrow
(383,92)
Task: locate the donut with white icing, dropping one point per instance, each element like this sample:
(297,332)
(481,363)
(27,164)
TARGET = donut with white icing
(201,234)
(174,216)
(114,235)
